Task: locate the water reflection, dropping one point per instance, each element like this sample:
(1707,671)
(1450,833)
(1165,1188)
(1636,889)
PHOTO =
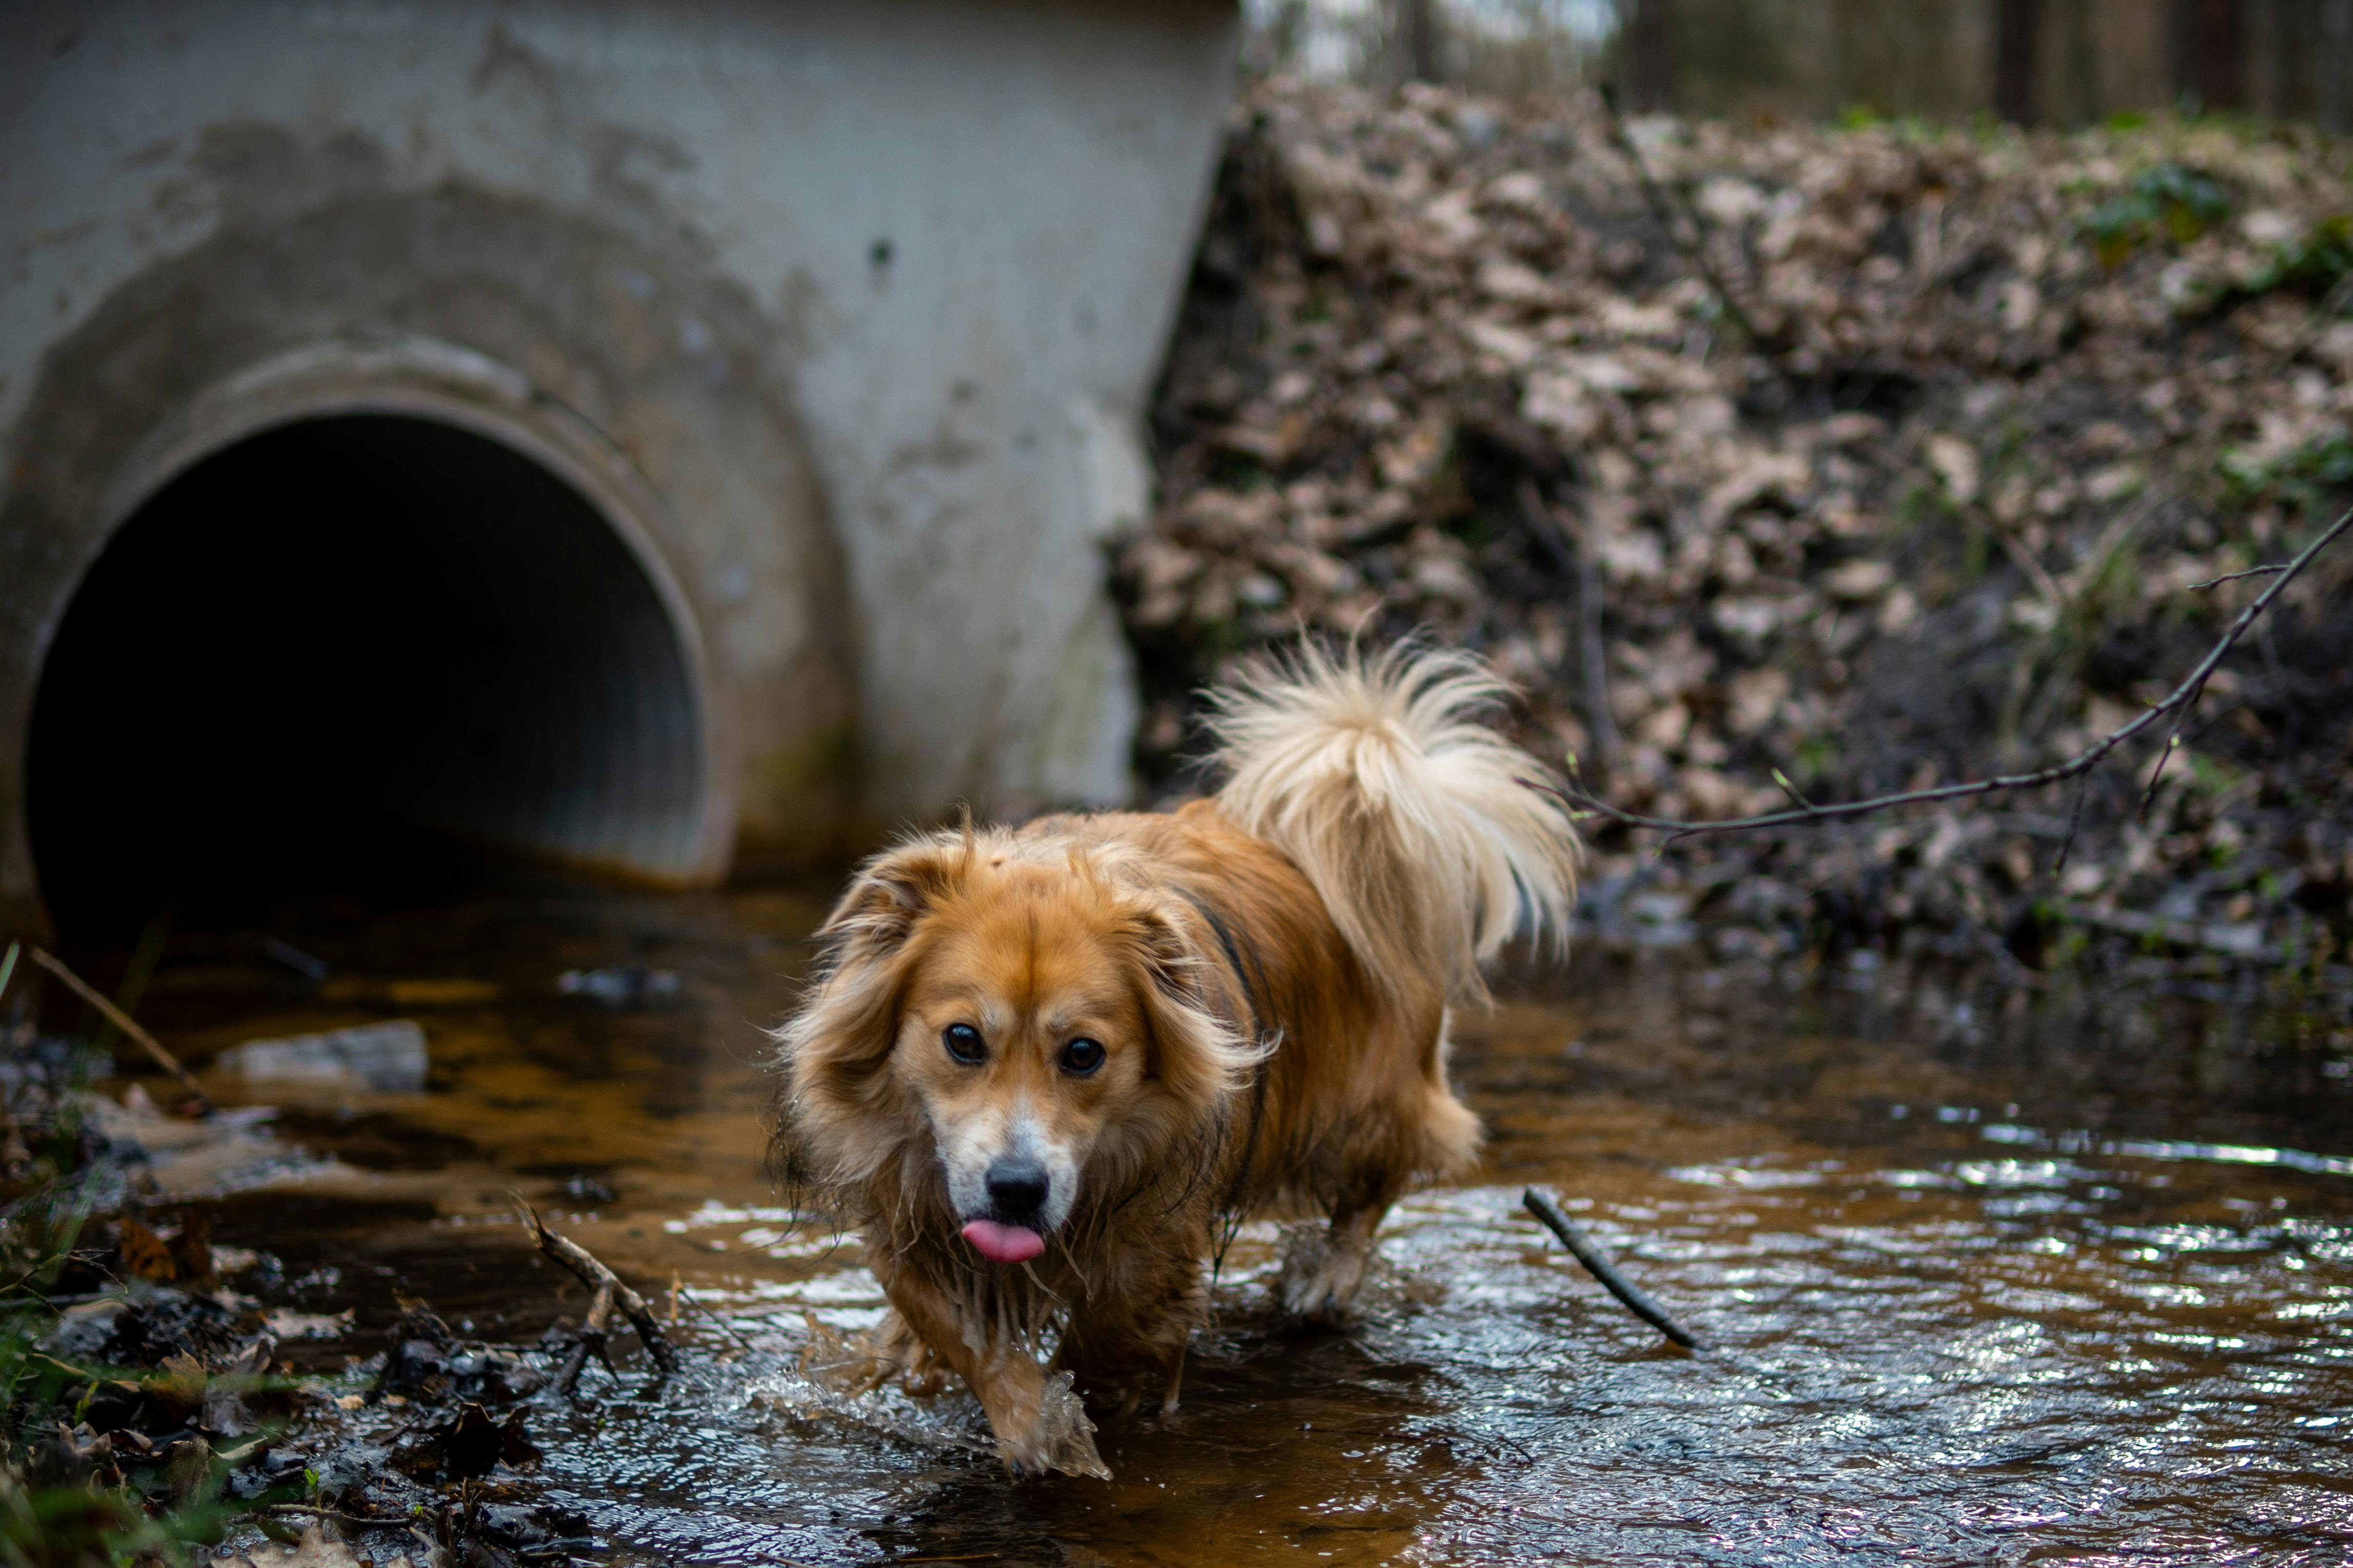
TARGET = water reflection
(1980,1281)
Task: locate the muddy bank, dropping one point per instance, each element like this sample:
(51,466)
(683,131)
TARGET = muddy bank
(168,1394)
(1916,494)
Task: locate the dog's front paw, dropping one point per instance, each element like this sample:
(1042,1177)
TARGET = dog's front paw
(1055,1436)
(1320,1275)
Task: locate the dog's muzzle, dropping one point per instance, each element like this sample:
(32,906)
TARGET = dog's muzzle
(1017,1189)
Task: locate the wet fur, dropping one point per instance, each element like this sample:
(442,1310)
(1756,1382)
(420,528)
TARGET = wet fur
(1271,971)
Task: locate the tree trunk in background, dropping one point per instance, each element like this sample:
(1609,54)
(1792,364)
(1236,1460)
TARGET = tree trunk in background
(2208,63)
(2333,64)
(1650,56)
(2018,29)
(1413,28)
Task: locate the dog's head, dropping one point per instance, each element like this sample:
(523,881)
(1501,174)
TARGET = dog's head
(1023,1024)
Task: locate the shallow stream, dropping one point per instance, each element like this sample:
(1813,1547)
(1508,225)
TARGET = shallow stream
(2061,1280)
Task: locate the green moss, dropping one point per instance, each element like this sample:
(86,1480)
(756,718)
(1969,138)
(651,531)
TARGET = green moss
(2170,202)
(825,758)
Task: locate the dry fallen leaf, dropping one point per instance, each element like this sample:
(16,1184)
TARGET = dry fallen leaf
(1956,462)
(143,1252)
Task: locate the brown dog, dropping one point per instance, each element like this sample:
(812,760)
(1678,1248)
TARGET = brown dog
(1047,1069)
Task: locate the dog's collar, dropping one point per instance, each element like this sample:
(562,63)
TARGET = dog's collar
(1266,1039)
(1233,958)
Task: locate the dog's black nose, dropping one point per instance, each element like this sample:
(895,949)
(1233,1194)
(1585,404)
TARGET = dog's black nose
(1016,1189)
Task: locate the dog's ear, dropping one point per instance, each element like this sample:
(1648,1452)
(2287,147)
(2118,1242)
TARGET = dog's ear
(1193,1049)
(891,893)
(834,1045)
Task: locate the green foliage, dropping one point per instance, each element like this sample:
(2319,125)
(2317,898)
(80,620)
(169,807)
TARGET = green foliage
(2313,264)
(147,1516)
(2172,202)
(1977,553)
(1471,526)
(2210,777)
(2308,478)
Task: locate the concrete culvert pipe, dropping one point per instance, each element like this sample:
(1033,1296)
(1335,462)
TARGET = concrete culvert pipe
(846,360)
(341,631)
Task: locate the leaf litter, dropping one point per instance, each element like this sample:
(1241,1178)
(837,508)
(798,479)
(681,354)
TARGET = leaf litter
(2001,400)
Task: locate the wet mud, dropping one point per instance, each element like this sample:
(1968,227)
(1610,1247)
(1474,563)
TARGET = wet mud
(1979,1276)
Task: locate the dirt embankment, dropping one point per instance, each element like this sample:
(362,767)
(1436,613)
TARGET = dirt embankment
(1918,493)
(160,1397)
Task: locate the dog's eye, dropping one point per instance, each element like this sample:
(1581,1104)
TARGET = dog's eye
(962,1042)
(1081,1057)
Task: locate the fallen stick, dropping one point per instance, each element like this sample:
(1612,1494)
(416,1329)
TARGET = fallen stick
(597,1277)
(121,1020)
(1600,1268)
(592,1335)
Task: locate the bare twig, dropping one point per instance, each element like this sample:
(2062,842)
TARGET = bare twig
(1693,251)
(2177,702)
(121,1020)
(590,1338)
(597,1277)
(1601,1268)
(2074,821)
(2164,755)
(2234,576)
(677,1288)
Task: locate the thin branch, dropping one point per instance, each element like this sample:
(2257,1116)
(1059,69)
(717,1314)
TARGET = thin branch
(677,1288)
(2177,702)
(121,1020)
(585,1268)
(2074,820)
(1694,253)
(1599,1265)
(590,1338)
(2234,576)
(2164,755)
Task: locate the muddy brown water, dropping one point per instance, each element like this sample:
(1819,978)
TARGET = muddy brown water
(2062,1279)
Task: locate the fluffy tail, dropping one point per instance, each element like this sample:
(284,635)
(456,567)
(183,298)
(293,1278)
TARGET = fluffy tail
(1377,777)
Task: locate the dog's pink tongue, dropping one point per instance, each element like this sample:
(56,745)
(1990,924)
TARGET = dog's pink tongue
(1003,1243)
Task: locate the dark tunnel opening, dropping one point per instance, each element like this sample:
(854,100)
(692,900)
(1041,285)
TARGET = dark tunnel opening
(347,646)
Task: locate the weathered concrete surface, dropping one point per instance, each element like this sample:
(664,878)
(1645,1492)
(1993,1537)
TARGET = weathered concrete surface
(846,312)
